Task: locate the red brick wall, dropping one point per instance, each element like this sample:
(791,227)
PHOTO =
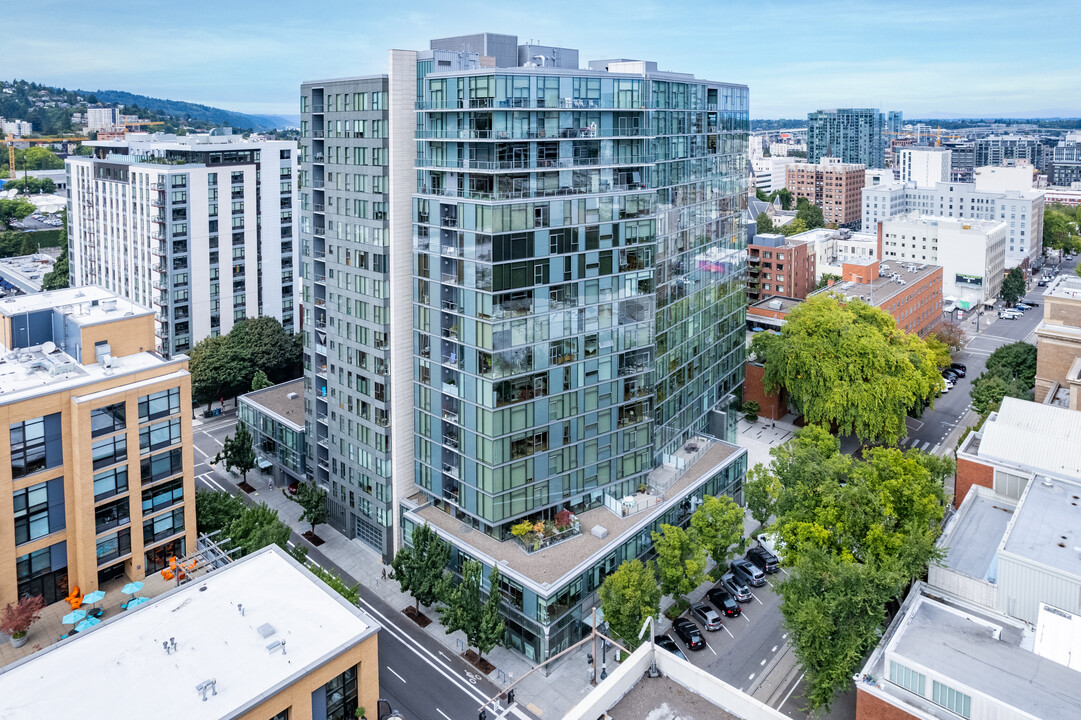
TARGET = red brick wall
(870,707)
(971,473)
(773,407)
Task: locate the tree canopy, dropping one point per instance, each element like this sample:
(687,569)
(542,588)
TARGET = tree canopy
(258,527)
(809,213)
(1060,228)
(681,560)
(718,525)
(763,224)
(1010,371)
(313,501)
(1013,287)
(57,278)
(225,366)
(628,596)
(420,568)
(237,452)
(31,185)
(15,209)
(464,609)
(855,532)
(846,365)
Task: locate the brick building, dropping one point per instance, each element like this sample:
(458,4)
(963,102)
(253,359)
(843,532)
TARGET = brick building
(779,266)
(835,186)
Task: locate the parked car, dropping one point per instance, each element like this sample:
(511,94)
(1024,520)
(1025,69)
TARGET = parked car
(950,375)
(959,368)
(663,641)
(1008,314)
(771,542)
(1020,308)
(689,633)
(723,601)
(705,614)
(948,385)
(1041,283)
(766,561)
(747,572)
(737,587)
(1030,304)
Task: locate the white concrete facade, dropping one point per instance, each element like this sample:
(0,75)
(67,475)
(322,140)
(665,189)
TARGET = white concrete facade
(924,166)
(769,172)
(971,253)
(103,118)
(187,237)
(834,248)
(1021,210)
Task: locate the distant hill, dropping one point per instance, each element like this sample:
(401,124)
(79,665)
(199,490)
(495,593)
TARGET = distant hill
(191,111)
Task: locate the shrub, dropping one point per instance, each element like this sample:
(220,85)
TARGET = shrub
(522,529)
(564,518)
(17,618)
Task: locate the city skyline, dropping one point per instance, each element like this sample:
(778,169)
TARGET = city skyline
(916,58)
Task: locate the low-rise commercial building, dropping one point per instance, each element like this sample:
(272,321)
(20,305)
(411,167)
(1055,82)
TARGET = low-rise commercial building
(833,248)
(24,274)
(833,185)
(96,464)
(972,253)
(274,417)
(1058,339)
(779,266)
(259,638)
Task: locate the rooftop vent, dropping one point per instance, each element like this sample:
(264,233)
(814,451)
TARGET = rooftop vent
(266,630)
(292,396)
(598,531)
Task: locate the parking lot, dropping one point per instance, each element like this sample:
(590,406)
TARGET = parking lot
(751,653)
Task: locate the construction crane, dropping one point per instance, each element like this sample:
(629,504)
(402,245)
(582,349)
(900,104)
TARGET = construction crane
(11,140)
(141,124)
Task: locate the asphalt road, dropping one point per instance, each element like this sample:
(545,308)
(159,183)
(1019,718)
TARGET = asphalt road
(931,431)
(416,675)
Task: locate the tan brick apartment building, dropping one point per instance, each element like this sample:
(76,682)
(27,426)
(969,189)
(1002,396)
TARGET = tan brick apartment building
(835,186)
(96,475)
(779,266)
(1058,338)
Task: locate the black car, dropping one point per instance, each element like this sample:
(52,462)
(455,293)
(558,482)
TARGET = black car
(764,560)
(959,369)
(951,375)
(723,601)
(1041,283)
(689,633)
(663,641)
(704,614)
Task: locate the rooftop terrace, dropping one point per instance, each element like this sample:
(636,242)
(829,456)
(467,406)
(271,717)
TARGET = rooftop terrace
(86,305)
(276,400)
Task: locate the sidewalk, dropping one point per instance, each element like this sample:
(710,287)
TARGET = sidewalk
(550,696)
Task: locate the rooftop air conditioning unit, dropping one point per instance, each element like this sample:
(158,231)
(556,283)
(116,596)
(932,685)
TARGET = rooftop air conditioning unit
(775,304)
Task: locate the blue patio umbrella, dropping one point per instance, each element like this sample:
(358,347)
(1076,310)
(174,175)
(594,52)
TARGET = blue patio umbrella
(131,588)
(92,599)
(73,617)
(87,624)
(137,601)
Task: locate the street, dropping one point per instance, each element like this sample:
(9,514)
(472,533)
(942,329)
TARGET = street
(420,679)
(930,432)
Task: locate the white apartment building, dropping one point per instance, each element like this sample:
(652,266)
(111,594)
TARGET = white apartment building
(924,166)
(878,176)
(971,252)
(1020,208)
(17,128)
(102,118)
(834,248)
(769,172)
(201,227)
(1005,178)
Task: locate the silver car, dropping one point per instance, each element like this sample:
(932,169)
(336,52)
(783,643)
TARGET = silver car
(736,587)
(707,616)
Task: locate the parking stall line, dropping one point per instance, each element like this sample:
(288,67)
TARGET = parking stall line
(725,628)
(756,599)
(711,648)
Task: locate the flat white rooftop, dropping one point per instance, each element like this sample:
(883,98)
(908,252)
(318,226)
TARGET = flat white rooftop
(1047,527)
(87,305)
(1043,438)
(964,224)
(120,667)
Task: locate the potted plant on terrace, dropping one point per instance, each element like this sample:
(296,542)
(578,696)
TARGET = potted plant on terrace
(17,618)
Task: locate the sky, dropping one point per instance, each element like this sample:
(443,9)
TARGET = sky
(941,58)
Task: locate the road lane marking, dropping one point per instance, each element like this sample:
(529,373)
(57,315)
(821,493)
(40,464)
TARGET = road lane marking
(759,665)
(711,649)
(774,649)
(725,628)
(791,690)
(388,667)
(751,677)
(199,450)
(935,448)
(926,445)
(448,717)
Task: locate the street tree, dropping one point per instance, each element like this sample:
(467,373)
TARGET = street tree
(260,381)
(717,525)
(420,568)
(492,629)
(237,452)
(760,491)
(313,501)
(628,596)
(1016,361)
(11,210)
(257,527)
(217,370)
(846,365)
(1013,287)
(215,510)
(681,560)
(989,389)
(465,610)
(834,612)
(810,213)
(950,335)
(265,345)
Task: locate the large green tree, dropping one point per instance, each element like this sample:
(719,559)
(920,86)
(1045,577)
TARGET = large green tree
(718,526)
(313,502)
(989,389)
(266,346)
(39,158)
(834,612)
(57,278)
(628,597)
(215,510)
(681,560)
(786,197)
(420,568)
(237,452)
(1013,287)
(809,213)
(258,527)
(15,209)
(846,365)
(1016,361)
(218,370)
(763,224)
(465,609)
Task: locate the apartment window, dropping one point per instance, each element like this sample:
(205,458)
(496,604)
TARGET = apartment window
(112,515)
(953,700)
(114,546)
(110,451)
(179,181)
(162,496)
(159,404)
(44,572)
(907,678)
(161,466)
(32,511)
(108,419)
(35,445)
(159,435)
(163,526)
(341,692)
(111,482)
